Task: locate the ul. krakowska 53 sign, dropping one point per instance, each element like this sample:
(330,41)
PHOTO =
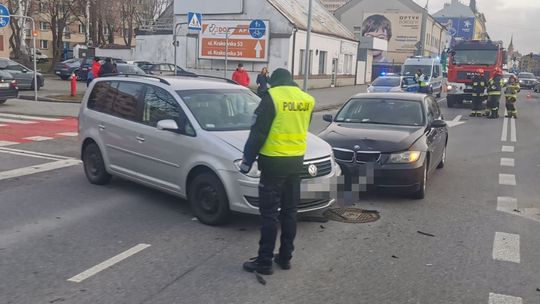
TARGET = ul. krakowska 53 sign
(248,39)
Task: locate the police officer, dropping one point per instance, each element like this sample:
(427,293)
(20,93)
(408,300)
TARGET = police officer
(494,93)
(421,80)
(511,89)
(278,136)
(478,91)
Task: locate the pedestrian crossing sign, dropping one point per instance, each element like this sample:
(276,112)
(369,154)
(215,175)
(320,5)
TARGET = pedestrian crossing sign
(195,21)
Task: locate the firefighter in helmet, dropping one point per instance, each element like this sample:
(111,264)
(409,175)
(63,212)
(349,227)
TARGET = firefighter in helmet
(510,93)
(494,90)
(478,93)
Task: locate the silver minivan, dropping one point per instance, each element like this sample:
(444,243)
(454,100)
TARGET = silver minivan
(185,136)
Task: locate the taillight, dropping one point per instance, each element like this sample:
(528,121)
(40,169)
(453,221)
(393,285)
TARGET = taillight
(13,84)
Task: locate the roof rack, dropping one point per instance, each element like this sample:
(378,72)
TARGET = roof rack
(139,75)
(211,77)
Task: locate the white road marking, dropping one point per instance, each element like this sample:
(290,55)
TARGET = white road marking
(34,154)
(513,131)
(441,100)
(506,247)
(455,122)
(7,143)
(507,162)
(457,118)
(29,117)
(28,155)
(506,204)
(507,149)
(507,179)
(38,168)
(17,121)
(70,134)
(503,299)
(504,134)
(38,138)
(1,125)
(108,263)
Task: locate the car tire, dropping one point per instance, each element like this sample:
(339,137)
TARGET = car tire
(208,199)
(94,166)
(443,159)
(421,193)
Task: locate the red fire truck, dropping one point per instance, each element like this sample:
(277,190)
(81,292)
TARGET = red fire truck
(465,58)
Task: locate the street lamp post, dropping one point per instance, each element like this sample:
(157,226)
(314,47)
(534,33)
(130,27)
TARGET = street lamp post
(308,37)
(33,50)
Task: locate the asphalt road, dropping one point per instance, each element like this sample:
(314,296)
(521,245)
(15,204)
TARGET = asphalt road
(55,228)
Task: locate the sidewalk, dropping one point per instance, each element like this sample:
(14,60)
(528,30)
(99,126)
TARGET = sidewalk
(328,98)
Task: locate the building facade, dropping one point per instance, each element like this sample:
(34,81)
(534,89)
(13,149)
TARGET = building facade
(333,5)
(464,22)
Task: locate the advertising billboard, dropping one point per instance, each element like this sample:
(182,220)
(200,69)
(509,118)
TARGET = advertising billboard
(248,40)
(460,28)
(401,30)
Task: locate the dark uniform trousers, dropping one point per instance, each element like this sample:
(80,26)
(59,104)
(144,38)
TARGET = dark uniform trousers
(493,104)
(278,192)
(477,103)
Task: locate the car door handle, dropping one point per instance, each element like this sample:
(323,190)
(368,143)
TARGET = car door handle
(140,139)
(101,127)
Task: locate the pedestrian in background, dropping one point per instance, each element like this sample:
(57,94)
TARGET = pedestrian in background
(478,93)
(241,76)
(108,68)
(278,137)
(494,93)
(96,66)
(262,82)
(421,80)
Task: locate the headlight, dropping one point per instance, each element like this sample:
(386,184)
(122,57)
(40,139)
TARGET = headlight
(254,172)
(405,157)
(449,87)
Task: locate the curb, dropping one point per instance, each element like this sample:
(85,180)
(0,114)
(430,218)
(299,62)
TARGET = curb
(47,99)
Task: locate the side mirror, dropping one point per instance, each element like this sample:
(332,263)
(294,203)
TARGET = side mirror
(438,124)
(168,125)
(24,71)
(328,117)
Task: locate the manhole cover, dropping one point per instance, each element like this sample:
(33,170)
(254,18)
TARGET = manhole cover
(351,215)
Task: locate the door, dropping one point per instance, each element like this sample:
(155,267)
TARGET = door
(437,135)
(163,154)
(119,129)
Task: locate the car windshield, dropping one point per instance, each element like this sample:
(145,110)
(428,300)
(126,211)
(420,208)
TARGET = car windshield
(221,110)
(408,81)
(386,82)
(129,69)
(382,111)
(526,75)
(481,57)
(410,69)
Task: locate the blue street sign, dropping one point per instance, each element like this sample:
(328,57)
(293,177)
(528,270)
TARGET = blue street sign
(4,21)
(257,28)
(195,21)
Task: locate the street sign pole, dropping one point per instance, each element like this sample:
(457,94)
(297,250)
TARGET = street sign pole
(227,49)
(308,37)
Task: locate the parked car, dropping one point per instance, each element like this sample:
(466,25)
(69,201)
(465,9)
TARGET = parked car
(399,139)
(506,77)
(23,75)
(86,65)
(8,87)
(393,83)
(184,136)
(537,87)
(527,80)
(124,68)
(167,69)
(66,68)
(40,57)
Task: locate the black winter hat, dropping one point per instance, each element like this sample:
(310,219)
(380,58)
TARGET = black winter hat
(281,77)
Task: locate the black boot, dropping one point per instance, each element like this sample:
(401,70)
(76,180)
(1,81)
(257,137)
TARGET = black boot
(283,264)
(254,265)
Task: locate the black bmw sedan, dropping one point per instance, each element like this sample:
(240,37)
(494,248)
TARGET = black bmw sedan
(395,141)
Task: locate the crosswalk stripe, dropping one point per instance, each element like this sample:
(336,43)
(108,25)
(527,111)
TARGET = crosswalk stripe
(504,299)
(1,125)
(17,121)
(4,143)
(69,134)
(38,138)
(29,117)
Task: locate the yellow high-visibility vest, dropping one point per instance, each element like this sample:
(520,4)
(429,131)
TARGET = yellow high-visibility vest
(288,134)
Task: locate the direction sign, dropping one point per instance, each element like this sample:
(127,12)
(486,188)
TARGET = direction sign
(4,21)
(257,29)
(195,21)
(248,40)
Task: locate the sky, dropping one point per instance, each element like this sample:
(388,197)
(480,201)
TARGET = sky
(504,18)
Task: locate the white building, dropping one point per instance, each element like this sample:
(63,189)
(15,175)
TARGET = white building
(333,51)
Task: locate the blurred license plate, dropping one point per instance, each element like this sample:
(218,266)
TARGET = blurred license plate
(4,85)
(58,72)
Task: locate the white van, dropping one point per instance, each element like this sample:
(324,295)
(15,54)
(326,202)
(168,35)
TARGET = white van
(432,69)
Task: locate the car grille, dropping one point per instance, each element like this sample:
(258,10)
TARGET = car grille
(463,75)
(367,157)
(343,155)
(324,167)
(304,203)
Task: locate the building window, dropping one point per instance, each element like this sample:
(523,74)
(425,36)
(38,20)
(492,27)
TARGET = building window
(310,66)
(322,62)
(302,62)
(302,54)
(44,26)
(347,64)
(82,28)
(43,44)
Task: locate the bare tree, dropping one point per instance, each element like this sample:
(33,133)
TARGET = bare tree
(58,14)
(17,40)
(149,10)
(129,13)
